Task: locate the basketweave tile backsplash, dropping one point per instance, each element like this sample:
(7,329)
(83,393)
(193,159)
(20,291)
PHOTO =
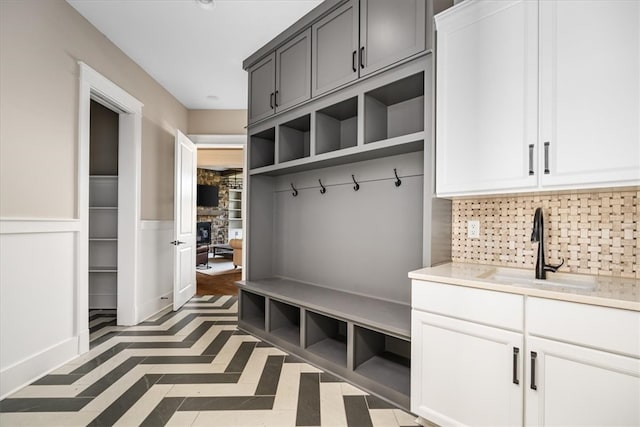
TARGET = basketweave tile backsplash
(596,232)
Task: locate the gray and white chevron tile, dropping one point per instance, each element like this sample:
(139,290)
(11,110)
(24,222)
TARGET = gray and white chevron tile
(192,367)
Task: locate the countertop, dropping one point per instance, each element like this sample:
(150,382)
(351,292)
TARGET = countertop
(606,291)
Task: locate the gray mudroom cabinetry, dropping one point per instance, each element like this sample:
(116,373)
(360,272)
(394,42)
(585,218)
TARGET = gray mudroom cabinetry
(340,207)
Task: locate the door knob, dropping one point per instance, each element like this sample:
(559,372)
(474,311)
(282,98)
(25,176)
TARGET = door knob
(177,242)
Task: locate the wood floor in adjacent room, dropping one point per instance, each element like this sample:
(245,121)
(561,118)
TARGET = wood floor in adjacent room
(217,285)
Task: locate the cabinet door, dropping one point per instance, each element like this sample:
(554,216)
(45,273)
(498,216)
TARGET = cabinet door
(487,97)
(335,48)
(578,386)
(590,92)
(293,72)
(390,31)
(262,88)
(465,373)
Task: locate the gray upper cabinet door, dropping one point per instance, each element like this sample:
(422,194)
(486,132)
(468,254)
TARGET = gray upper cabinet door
(335,48)
(293,72)
(262,88)
(390,31)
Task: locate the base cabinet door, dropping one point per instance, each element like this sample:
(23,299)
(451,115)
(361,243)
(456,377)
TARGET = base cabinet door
(465,373)
(570,385)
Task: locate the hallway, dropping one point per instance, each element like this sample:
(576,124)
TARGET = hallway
(191,367)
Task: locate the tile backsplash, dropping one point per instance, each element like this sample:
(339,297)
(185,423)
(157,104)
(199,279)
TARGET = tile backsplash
(596,232)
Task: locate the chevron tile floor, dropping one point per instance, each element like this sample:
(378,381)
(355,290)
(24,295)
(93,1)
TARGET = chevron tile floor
(192,367)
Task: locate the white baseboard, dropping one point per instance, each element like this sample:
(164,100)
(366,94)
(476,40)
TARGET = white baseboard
(151,308)
(22,373)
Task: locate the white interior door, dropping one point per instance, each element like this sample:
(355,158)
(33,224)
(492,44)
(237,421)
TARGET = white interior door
(184,255)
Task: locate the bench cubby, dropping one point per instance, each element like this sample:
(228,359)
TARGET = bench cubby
(284,321)
(327,337)
(395,109)
(263,146)
(295,139)
(252,309)
(383,358)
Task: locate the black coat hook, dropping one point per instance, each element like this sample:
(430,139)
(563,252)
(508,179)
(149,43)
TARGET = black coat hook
(295,192)
(398,181)
(356,187)
(323,189)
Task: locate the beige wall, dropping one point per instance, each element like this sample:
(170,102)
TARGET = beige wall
(40,44)
(230,158)
(217,122)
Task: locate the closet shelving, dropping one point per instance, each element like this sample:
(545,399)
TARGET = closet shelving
(235,213)
(103,240)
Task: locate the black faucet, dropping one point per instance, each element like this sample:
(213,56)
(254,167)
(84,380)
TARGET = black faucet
(538,236)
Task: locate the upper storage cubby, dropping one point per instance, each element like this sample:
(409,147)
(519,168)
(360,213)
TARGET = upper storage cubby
(295,139)
(337,126)
(262,150)
(395,109)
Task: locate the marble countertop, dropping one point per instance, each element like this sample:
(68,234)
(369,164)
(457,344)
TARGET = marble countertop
(596,290)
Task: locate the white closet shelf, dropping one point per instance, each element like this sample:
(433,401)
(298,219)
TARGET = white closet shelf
(103,208)
(103,269)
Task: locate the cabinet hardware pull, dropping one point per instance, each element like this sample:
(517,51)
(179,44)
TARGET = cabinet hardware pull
(353,61)
(271,100)
(530,159)
(362,57)
(546,157)
(398,180)
(356,187)
(295,192)
(534,355)
(276,98)
(323,189)
(516,351)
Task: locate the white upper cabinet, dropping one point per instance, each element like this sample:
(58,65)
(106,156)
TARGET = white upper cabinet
(335,49)
(537,95)
(590,92)
(389,32)
(282,79)
(486,99)
(359,38)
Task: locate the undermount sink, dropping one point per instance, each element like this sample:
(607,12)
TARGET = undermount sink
(553,279)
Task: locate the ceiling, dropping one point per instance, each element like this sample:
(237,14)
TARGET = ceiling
(193,52)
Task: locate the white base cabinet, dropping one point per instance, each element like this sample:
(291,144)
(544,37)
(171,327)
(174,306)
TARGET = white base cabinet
(476,360)
(571,385)
(470,376)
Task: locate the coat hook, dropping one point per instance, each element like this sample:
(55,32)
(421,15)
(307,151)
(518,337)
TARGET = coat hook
(323,189)
(295,192)
(398,181)
(356,187)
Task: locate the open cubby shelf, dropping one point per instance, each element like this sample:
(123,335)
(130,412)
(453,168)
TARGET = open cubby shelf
(285,321)
(295,139)
(263,146)
(383,358)
(327,337)
(337,126)
(395,109)
(253,309)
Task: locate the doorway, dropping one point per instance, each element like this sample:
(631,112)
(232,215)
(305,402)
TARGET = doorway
(220,219)
(103,219)
(95,87)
